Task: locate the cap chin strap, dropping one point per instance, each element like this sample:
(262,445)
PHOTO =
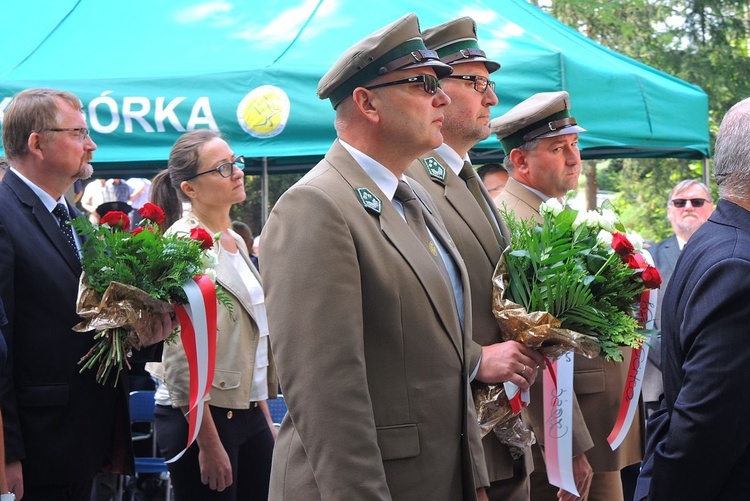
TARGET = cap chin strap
(416,56)
(549,127)
(462,54)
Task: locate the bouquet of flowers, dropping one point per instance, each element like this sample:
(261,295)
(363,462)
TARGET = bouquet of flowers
(571,282)
(130,280)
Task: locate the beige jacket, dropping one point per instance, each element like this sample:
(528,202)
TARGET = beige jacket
(237,340)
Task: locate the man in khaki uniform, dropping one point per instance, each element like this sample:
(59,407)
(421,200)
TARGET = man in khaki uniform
(540,141)
(474,225)
(369,315)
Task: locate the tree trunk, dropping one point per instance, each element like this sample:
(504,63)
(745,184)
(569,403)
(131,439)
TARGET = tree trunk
(589,169)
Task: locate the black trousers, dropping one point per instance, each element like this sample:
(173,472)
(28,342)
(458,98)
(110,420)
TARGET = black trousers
(247,440)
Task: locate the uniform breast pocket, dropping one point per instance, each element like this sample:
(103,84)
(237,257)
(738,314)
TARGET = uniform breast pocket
(398,442)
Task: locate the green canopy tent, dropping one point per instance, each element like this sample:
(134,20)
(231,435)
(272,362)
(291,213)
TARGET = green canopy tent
(149,70)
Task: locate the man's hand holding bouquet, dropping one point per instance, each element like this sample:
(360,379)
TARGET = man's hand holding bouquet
(131,280)
(573,282)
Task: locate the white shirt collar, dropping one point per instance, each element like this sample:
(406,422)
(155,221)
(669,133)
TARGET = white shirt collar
(381,176)
(454,161)
(49,202)
(535,191)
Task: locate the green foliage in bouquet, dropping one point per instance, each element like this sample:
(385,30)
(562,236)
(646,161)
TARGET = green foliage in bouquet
(156,263)
(131,279)
(562,266)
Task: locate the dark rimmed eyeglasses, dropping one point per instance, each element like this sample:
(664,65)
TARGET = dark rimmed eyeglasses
(81,132)
(481,84)
(695,202)
(225,170)
(430,83)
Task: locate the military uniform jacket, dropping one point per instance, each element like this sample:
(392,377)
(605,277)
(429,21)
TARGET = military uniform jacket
(371,357)
(597,384)
(476,241)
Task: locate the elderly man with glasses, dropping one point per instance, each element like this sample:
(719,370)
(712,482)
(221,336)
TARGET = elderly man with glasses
(61,426)
(689,206)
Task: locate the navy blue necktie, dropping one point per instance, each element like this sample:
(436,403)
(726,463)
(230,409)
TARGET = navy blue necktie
(61,213)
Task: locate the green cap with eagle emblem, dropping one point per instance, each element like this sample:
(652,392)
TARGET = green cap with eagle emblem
(546,114)
(456,43)
(397,46)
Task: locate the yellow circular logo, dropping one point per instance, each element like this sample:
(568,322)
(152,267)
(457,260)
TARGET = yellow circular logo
(264,111)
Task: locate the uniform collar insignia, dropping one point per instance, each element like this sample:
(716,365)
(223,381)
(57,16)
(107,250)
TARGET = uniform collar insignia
(434,168)
(369,201)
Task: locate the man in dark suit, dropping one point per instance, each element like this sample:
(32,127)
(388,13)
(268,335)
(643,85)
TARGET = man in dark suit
(688,207)
(61,427)
(705,356)
(475,225)
(540,140)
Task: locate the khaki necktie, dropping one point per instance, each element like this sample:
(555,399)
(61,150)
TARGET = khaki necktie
(469,175)
(415,220)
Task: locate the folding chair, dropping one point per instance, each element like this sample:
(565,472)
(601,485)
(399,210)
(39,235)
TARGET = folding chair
(278,409)
(142,411)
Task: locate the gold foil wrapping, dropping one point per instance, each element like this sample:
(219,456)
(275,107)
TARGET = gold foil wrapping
(121,306)
(539,330)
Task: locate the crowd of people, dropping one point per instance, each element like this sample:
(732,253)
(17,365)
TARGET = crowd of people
(372,309)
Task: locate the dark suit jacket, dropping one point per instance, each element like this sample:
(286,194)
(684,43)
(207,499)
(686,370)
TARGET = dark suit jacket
(63,425)
(665,255)
(702,448)
(369,348)
(480,249)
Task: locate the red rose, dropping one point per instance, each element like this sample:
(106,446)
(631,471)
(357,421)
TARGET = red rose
(141,228)
(631,261)
(203,237)
(651,278)
(115,218)
(152,213)
(621,244)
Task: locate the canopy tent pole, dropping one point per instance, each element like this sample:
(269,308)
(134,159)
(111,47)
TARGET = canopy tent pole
(706,174)
(264,193)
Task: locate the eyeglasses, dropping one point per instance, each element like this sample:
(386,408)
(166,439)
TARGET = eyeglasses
(481,84)
(82,132)
(695,202)
(430,83)
(225,170)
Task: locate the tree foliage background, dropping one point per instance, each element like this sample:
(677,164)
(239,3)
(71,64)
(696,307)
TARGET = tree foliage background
(704,42)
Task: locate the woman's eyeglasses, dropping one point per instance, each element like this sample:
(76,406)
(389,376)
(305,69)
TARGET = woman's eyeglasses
(695,202)
(430,83)
(225,170)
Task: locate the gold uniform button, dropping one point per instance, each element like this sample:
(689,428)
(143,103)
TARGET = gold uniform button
(229,414)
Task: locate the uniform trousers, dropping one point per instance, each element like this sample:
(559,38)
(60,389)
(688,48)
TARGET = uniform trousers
(515,488)
(245,435)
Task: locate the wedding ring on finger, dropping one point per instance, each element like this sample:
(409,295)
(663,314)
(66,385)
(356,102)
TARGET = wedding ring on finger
(523,372)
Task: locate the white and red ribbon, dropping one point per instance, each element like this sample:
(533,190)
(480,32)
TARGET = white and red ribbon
(198,334)
(558,423)
(634,380)
(517,397)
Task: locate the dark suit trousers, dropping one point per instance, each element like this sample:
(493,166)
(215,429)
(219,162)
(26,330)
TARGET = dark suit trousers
(80,492)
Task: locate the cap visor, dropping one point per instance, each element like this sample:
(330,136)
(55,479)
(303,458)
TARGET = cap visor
(571,129)
(442,70)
